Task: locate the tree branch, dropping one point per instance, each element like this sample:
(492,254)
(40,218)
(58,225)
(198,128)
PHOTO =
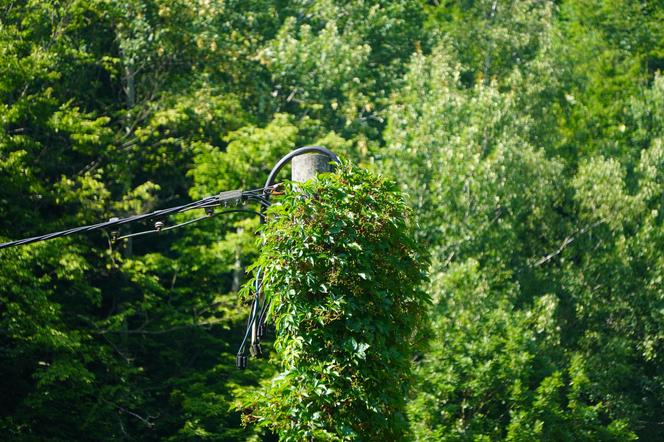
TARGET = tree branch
(566,242)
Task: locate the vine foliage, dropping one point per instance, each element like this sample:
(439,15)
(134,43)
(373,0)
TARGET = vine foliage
(343,274)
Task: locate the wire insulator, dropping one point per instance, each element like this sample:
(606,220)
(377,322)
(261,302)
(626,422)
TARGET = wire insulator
(256,350)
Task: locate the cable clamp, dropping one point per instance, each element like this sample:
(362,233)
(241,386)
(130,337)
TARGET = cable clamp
(230,197)
(241,361)
(256,350)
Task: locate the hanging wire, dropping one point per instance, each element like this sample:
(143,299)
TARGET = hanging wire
(253,316)
(225,199)
(160,228)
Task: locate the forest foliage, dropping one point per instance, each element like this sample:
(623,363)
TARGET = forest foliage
(526,135)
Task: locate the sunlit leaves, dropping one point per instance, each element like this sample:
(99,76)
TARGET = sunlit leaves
(342,272)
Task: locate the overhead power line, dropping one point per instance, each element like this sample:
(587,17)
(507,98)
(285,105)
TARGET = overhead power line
(260,305)
(226,199)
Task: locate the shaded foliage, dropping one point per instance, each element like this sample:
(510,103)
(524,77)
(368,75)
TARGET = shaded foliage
(527,134)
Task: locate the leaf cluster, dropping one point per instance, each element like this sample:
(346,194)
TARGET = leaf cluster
(343,274)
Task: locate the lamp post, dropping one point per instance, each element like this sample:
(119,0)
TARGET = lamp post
(307,162)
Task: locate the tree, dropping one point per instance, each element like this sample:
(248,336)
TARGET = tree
(528,344)
(103,340)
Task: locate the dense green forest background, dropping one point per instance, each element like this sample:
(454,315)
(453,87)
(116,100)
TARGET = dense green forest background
(527,134)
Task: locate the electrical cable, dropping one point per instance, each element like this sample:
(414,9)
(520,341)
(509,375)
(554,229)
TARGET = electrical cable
(254,309)
(191,221)
(224,198)
(262,200)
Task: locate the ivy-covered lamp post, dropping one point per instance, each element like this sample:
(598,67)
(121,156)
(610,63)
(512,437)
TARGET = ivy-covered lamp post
(307,162)
(341,273)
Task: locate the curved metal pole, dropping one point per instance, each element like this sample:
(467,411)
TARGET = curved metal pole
(297,152)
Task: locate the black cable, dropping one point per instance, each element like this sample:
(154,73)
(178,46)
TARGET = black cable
(254,310)
(191,221)
(223,198)
(262,200)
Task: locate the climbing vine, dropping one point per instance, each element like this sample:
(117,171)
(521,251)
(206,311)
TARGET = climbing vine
(343,274)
